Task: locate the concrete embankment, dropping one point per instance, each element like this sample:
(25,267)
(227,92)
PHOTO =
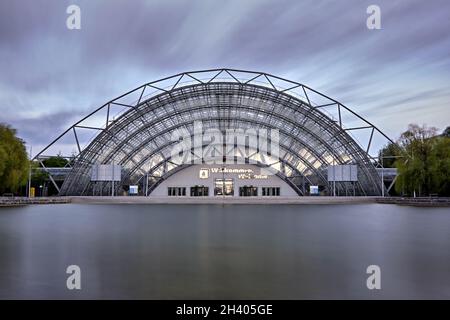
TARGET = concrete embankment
(18,201)
(223,200)
(423,202)
(429,202)
(418,202)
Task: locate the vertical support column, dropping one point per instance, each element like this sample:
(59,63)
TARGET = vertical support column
(334,179)
(29,174)
(303,185)
(382,176)
(112,182)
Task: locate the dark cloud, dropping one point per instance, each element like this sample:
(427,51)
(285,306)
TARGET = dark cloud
(41,128)
(51,75)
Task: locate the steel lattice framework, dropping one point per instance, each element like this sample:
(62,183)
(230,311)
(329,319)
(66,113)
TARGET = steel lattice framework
(316,131)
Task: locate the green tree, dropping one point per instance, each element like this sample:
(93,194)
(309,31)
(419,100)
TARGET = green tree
(14,164)
(440,166)
(425,171)
(56,162)
(389,155)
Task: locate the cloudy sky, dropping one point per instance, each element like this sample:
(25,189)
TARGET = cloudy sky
(50,76)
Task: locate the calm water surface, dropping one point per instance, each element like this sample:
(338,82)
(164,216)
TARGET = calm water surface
(224,252)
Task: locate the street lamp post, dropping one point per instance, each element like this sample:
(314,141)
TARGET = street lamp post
(29,174)
(382,175)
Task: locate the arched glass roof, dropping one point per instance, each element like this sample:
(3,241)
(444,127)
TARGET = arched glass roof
(139,137)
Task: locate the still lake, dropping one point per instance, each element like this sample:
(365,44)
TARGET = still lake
(224,251)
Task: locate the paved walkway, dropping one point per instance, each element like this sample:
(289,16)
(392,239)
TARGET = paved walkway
(423,202)
(225,200)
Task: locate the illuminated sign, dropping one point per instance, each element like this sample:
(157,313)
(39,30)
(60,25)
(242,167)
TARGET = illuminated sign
(314,190)
(243,173)
(133,190)
(231,170)
(252,176)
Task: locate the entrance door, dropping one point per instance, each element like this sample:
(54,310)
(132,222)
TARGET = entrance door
(248,191)
(199,191)
(224,187)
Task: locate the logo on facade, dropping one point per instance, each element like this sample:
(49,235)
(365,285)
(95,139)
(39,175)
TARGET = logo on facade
(204,173)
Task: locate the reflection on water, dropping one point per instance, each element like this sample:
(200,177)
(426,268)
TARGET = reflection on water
(224,252)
